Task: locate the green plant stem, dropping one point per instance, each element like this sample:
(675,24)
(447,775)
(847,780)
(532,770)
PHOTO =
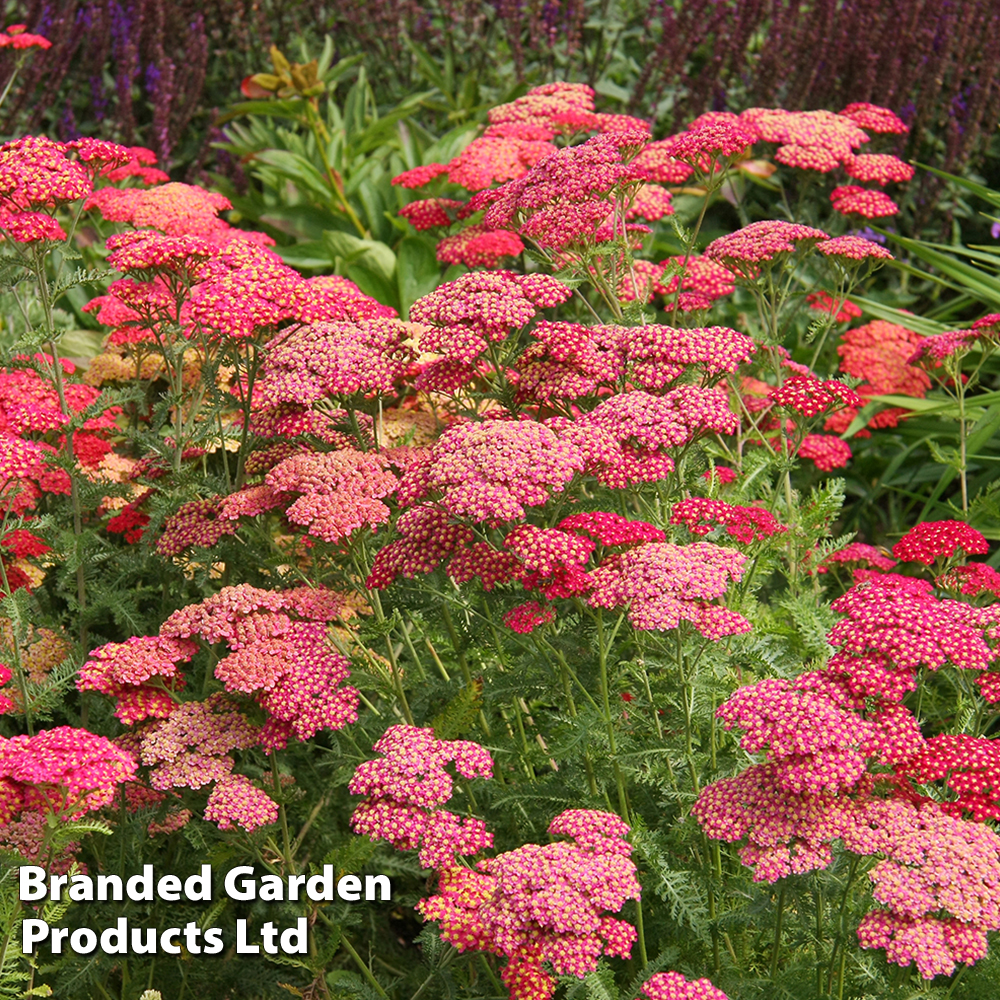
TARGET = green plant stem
(46,300)
(286,840)
(602,653)
(22,681)
(839,939)
(318,129)
(253,363)
(776,947)
(709,191)
(359,962)
(397,680)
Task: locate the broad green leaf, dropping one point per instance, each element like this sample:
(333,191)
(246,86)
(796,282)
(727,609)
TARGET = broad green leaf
(374,255)
(450,144)
(299,170)
(293,108)
(428,67)
(976,280)
(372,282)
(309,255)
(418,270)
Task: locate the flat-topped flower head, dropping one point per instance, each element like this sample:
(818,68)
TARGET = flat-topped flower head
(850,199)
(405,787)
(428,213)
(854,248)
(420,176)
(124,670)
(746,249)
(816,158)
(939,346)
(711,141)
(657,355)
(662,584)
(237,801)
(544,906)
(810,397)
(842,310)
(882,168)
(322,360)
(875,118)
(63,770)
(563,199)
(38,173)
(542,106)
(673,986)
(972,580)
(479,246)
(745,524)
(492,470)
(17,37)
(931,540)
(967,766)
(859,554)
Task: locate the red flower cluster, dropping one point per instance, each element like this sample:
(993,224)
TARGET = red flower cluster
(932,540)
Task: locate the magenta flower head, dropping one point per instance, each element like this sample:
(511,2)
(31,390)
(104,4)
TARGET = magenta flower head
(405,788)
(932,540)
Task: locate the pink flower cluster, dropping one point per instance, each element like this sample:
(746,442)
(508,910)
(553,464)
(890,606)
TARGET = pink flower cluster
(478,246)
(330,494)
(662,585)
(810,397)
(762,244)
(568,361)
(968,768)
(65,771)
(934,864)
(285,663)
(745,524)
(427,537)
(544,906)
(404,788)
(563,200)
(491,471)
(894,625)
(141,673)
(673,986)
(461,318)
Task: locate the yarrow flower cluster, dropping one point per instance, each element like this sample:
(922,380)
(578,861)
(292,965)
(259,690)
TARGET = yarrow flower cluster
(544,906)
(662,584)
(141,673)
(931,540)
(405,787)
(65,771)
(673,986)
(745,524)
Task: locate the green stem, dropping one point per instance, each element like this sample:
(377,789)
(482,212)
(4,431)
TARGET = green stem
(337,185)
(776,947)
(359,962)
(285,838)
(46,300)
(602,653)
